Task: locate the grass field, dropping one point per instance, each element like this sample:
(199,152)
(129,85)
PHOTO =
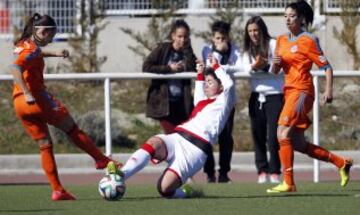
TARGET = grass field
(239,198)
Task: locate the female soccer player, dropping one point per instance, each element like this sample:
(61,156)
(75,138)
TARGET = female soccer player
(36,107)
(186,150)
(296,51)
(266,99)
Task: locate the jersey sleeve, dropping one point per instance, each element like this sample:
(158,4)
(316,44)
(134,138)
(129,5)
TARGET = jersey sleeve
(314,53)
(22,59)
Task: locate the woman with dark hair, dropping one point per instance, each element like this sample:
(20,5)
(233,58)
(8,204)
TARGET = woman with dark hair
(266,98)
(296,51)
(170,101)
(36,107)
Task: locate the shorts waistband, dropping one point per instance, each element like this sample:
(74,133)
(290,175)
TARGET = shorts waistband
(204,146)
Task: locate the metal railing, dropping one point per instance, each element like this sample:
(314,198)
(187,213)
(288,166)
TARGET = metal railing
(107,77)
(333,6)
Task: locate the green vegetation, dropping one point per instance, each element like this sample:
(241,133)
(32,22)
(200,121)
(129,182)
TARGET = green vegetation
(82,99)
(237,198)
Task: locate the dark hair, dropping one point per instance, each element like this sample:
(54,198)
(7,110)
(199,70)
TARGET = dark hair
(180,23)
(303,9)
(221,27)
(35,20)
(262,48)
(210,71)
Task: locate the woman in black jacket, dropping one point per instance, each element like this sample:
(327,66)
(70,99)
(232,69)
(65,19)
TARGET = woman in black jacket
(170,100)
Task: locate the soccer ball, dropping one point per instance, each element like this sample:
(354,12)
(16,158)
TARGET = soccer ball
(112,187)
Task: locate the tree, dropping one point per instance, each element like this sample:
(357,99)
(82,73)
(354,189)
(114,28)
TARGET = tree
(229,14)
(84,57)
(158,28)
(350,17)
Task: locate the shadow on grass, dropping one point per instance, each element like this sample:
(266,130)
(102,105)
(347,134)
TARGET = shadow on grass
(282,195)
(295,195)
(29,211)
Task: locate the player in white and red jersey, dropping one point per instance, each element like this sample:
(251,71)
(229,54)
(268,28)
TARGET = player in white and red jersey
(185,150)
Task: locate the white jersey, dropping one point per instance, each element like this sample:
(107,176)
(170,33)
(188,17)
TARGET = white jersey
(209,115)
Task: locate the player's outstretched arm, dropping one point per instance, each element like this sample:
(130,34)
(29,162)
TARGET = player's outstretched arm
(19,79)
(327,96)
(60,53)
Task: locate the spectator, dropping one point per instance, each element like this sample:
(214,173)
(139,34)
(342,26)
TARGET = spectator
(226,53)
(266,99)
(170,101)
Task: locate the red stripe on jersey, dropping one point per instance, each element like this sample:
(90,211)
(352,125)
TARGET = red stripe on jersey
(199,106)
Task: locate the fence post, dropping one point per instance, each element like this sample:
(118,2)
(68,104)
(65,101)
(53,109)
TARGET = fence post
(316,129)
(107,107)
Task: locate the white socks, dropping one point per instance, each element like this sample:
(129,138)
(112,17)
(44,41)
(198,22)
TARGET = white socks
(135,163)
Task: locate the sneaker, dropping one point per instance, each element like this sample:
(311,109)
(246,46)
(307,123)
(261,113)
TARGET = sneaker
(274,178)
(262,178)
(62,195)
(282,188)
(224,178)
(211,179)
(345,172)
(101,164)
(112,168)
(192,192)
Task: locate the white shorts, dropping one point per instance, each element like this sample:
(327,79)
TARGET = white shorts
(184,158)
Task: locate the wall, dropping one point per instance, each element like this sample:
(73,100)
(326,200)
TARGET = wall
(113,43)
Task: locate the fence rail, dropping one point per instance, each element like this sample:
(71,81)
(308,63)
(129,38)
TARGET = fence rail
(107,77)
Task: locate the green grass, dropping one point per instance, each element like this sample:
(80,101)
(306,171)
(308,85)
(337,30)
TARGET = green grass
(238,198)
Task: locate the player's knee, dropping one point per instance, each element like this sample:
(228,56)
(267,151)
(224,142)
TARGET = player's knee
(282,133)
(165,192)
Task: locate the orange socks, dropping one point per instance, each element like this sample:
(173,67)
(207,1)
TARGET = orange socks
(81,140)
(320,153)
(49,165)
(286,153)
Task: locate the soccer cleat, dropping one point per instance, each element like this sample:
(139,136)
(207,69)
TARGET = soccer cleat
(191,192)
(112,168)
(345,172)
(211,179)
(101,164)
(262,178)
(62,195)
(282,188)
(224,178)
(274,179)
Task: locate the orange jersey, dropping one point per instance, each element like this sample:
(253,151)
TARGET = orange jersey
(31,63)
(297,56)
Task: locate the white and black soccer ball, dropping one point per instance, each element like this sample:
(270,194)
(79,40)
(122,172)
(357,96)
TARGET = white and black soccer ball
(112,187)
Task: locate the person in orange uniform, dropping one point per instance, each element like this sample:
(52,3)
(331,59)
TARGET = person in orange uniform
(296,51)
(36,107)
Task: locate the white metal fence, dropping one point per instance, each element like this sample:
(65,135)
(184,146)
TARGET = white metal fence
(107,77)
(13,14)
(66,12)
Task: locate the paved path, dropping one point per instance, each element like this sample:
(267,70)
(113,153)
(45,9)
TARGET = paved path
(78,169)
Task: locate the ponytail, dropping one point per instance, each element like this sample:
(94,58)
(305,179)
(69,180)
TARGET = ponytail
(303,9)
(35,20)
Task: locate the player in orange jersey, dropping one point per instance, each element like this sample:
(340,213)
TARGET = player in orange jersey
(296,51)
(36,107)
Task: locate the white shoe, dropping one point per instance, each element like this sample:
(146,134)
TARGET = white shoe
(262,178)
(274,179)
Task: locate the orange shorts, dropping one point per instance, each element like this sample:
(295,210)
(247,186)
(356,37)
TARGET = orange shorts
(296,108)
(35,117)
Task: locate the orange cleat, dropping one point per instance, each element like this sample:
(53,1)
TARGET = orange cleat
(62,195)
